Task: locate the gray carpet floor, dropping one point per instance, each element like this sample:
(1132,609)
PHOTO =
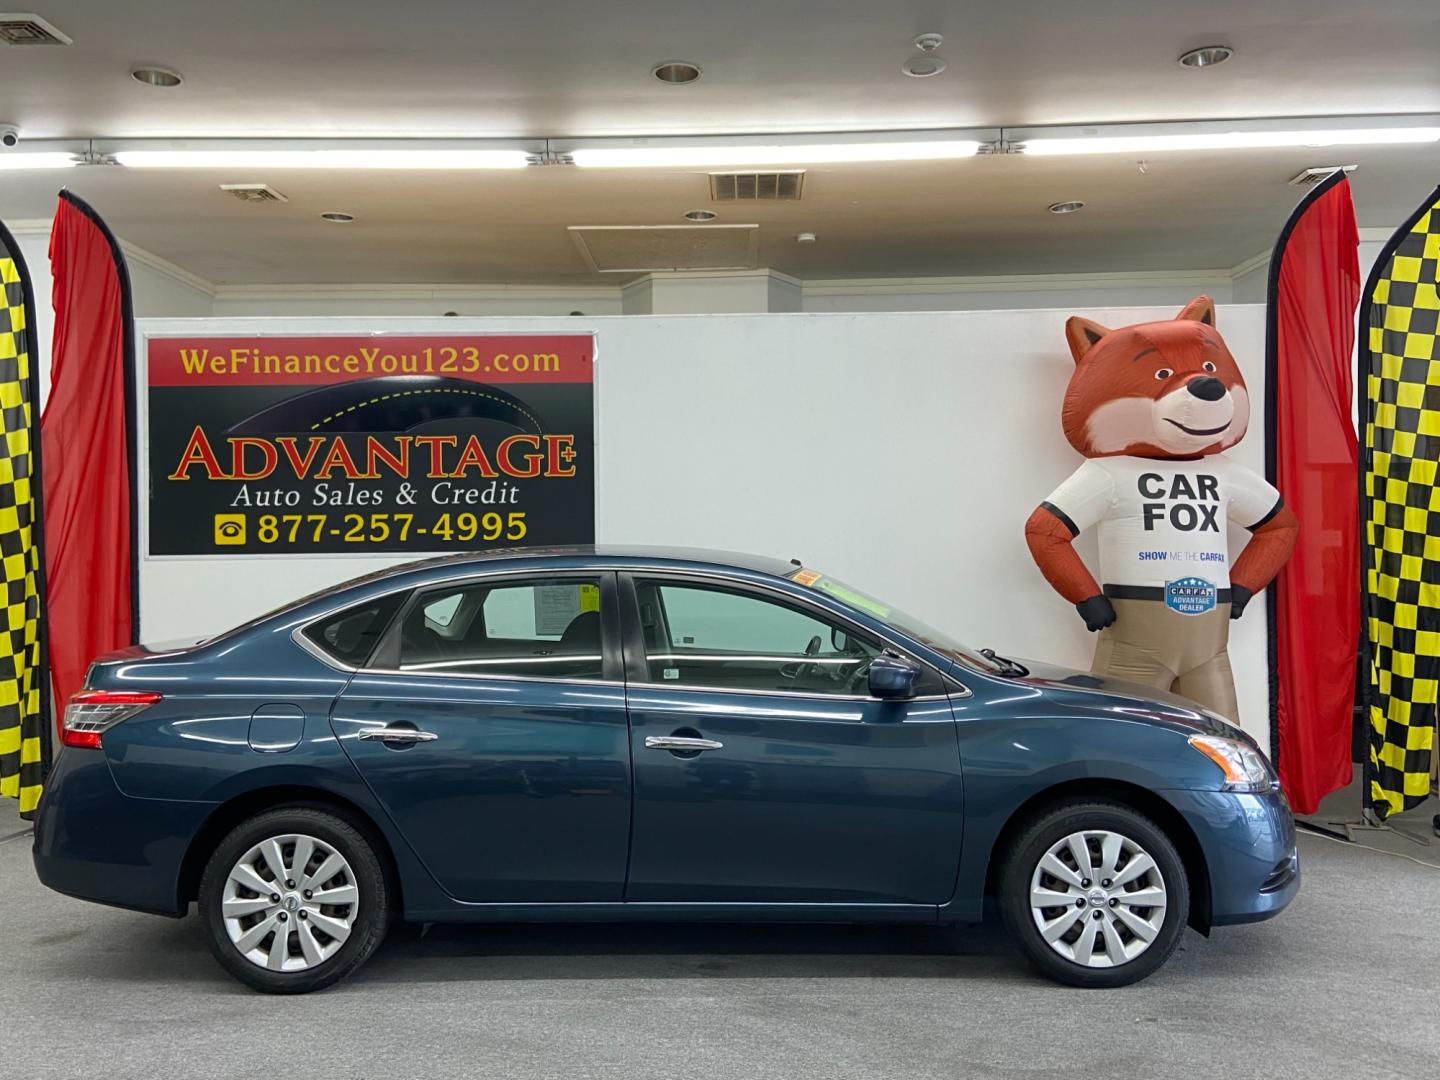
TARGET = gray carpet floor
(1345,984)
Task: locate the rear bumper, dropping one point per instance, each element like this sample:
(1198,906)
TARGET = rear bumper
(1249,845)
(95,843)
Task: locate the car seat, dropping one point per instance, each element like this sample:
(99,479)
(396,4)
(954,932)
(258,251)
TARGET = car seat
(582,635)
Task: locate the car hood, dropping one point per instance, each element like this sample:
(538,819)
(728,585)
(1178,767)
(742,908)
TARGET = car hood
(1136,701)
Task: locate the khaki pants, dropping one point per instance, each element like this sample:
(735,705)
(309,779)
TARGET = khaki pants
(1151,645)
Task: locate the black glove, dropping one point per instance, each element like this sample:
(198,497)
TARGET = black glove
(1097,612)
(1239,597)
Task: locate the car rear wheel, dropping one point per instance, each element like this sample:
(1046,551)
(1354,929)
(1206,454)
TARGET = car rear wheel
(293,900)
(1095,894)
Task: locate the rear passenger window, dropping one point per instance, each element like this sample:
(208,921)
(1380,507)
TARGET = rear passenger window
(350,636)
(545,628)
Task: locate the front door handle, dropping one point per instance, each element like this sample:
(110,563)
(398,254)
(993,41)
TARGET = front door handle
(397,736)
(681,743)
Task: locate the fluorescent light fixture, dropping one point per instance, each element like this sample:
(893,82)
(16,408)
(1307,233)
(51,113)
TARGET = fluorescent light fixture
(314,158)
(808,149)
(1234,140)
(12,160)
(1220,135)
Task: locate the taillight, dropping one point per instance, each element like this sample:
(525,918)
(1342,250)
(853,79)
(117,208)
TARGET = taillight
(91,712)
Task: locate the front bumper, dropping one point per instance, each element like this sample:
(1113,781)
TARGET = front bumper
(1249,846)
(96,843)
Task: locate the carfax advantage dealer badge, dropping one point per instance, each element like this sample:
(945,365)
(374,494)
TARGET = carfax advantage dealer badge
(1190,596)
(370,443)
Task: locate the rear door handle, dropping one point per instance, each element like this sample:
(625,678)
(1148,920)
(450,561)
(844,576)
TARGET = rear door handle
(397,736)
(681,743)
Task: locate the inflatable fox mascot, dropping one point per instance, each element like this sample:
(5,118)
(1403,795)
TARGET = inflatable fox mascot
(1152,407)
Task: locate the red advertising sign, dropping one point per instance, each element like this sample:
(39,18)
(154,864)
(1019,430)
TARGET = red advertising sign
(366,443)
(319,361)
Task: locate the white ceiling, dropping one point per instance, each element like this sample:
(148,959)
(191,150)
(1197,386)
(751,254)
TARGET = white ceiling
(455,67)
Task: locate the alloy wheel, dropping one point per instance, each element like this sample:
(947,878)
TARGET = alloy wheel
(290,902)
(1098,898)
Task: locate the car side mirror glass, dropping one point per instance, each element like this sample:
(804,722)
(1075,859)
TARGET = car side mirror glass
(892,678)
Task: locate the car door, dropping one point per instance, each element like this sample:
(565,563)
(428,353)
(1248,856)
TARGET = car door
(788,782)
(490,723)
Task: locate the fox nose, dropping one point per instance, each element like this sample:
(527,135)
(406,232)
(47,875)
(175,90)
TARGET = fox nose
(1206,388)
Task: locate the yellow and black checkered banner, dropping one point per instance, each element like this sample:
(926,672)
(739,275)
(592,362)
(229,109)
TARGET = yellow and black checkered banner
(1400,508)
(24,723)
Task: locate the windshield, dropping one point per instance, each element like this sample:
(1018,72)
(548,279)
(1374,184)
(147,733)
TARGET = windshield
(905,623)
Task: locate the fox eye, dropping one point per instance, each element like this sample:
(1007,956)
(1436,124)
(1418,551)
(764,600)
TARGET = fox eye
(1164,373)
(1208,366)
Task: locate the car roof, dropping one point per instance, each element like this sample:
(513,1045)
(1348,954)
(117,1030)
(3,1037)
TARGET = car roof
(609,553)
(422,571)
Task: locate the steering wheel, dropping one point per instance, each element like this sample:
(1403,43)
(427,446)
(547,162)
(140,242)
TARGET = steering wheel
(812,648)
(860,680)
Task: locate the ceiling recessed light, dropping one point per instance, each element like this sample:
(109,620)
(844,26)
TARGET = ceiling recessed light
(337,216)
(1206,56)
(154,76)
(922,67)
(676,72)
(806,238)
(701,215)
(1066,207)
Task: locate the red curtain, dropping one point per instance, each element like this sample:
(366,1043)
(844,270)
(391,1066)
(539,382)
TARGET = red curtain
(1312,458)
(85,438)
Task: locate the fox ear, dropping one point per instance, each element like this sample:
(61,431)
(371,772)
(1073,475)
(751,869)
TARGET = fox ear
(1201,310)
(1083,333)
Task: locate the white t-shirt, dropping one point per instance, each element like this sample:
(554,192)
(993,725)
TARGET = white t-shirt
(1163,523)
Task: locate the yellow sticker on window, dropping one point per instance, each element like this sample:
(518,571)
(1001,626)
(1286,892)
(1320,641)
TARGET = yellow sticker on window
(855,599)
(589,597)
(805,577)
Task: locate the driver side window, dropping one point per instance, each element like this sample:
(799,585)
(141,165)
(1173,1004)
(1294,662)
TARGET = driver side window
(725,640)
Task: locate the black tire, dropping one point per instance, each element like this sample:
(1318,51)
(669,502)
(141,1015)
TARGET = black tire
(368,925)
(1053,825)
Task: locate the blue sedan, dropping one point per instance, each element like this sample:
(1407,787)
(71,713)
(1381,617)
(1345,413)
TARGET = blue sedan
(646,734)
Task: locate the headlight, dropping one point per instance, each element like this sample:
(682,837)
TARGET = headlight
(1245,767)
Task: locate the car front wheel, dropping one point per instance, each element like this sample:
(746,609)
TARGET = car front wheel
(293,900)
(1095,893)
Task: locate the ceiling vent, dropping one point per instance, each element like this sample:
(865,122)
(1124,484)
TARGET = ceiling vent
(1311,177)
(22,28)
(638,249)
(253,193)
(783,186)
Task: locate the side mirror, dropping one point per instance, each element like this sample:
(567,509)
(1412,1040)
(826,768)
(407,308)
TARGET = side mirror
(892,678)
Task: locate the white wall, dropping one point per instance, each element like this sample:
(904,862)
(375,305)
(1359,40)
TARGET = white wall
(1252,286)
(159,288)
(900,452)
(1074,292)
(1253,280)
(731,292)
